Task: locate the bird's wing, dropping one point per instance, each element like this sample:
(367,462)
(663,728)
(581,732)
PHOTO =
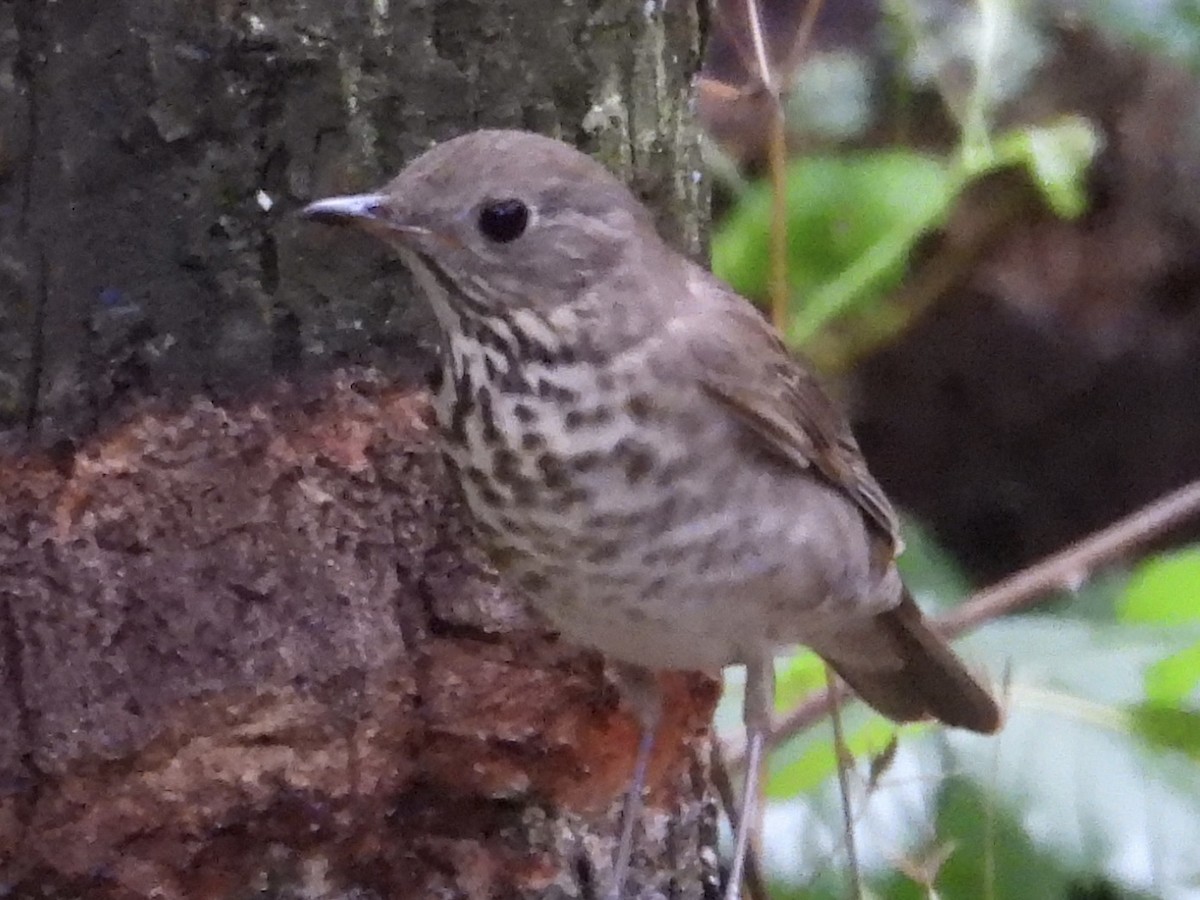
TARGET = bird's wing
(747,369)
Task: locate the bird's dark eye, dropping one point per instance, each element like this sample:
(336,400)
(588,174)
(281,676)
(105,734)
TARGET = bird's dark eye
(503,220)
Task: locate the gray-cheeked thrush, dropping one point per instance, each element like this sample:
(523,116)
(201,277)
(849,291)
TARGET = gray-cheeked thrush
(641,454)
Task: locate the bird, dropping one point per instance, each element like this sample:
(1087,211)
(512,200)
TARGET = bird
(642,456)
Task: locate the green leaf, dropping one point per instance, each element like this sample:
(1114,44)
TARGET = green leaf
(852,222)
(1081,750)
(1086,773)
(1057,157)
(1168,728)
(992,855)
(1175,678)
(795,773)
(1165,590)
(802,675)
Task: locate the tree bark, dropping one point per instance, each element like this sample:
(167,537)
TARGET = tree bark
(246,640)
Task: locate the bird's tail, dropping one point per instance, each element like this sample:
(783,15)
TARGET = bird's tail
(902,668)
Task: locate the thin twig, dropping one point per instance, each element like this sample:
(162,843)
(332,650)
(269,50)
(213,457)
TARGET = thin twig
(756,887)
(842,752)
(811,10)
(765,74)
(1067,569)
(769,85)
(1072,567)
(777,164)
(777,154)
(768,81)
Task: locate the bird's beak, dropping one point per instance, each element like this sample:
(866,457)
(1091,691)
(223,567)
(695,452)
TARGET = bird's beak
(373,213)
(353,209)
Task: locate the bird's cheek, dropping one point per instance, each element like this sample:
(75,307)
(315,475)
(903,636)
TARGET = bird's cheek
(443,241)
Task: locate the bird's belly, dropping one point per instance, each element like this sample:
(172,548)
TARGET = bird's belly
(662,580)
(662,550)
(690,632)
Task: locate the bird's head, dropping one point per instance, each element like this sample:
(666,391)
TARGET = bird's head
(502,220)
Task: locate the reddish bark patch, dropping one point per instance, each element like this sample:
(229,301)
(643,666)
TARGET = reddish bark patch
(256,644)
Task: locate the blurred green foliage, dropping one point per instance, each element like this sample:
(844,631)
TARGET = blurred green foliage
(855,220)
(1166,591)
(852,222)
(1093,781)
(1092,789)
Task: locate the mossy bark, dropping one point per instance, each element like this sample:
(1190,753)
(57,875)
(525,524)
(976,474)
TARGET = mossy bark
(246,641)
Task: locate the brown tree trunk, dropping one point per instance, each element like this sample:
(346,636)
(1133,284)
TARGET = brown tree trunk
(246,643)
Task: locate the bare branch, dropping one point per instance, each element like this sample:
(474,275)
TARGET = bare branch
(1068,569)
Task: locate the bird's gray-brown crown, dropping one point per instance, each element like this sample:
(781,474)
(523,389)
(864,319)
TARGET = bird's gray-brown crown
(534,213)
